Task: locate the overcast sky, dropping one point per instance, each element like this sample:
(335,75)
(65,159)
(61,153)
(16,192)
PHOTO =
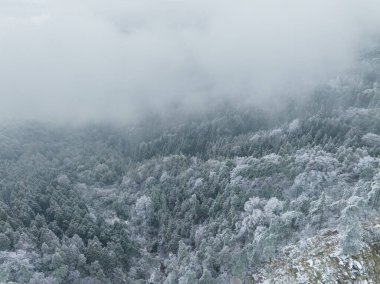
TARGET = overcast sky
(117,59)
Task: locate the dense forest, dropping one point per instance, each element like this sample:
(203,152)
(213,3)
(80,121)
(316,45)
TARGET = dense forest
(212,198)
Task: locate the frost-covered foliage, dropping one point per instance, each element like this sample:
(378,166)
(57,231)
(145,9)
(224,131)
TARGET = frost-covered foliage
(210,200)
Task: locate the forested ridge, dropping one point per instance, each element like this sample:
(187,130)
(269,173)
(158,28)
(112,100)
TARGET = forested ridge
(212,199)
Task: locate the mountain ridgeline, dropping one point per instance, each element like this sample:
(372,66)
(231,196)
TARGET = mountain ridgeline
(217,198)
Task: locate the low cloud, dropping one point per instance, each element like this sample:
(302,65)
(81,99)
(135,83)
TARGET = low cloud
(118,60)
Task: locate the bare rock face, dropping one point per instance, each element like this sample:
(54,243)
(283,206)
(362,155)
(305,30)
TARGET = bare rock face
(320,260)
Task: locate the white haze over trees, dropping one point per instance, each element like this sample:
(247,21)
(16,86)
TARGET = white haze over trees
(118,60)
(190,142)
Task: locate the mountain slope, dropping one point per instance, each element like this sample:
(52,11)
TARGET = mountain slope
(236,196)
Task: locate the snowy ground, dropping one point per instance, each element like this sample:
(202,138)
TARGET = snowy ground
(319,260)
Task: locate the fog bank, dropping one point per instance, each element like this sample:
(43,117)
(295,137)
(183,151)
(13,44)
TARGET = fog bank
(118,60)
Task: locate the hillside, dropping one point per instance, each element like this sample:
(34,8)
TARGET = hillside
(240,195)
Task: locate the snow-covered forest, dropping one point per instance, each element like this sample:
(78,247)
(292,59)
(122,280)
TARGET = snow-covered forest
(189,141)
(216,198)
